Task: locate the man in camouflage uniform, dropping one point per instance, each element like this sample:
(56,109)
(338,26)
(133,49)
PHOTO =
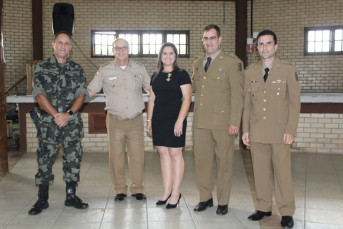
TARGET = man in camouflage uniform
(59,88)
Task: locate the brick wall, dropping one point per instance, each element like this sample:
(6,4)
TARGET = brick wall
(17,39)
(321,133)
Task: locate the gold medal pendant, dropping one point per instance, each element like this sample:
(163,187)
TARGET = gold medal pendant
(169,75)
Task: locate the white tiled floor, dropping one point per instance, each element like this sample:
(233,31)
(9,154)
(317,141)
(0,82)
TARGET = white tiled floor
(318,182)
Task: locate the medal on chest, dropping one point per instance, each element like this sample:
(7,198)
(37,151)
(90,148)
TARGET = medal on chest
(169,75)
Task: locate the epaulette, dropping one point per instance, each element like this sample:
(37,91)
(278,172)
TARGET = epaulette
(140,64)
(231,55)
(250,65)
(286,62)
(105,64)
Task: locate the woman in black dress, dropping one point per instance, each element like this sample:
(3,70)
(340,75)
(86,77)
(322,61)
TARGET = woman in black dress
(169,101)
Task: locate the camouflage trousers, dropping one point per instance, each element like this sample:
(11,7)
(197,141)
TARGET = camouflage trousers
(50,137)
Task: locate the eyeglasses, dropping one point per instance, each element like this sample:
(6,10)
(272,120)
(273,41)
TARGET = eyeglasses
(209,38)
(124,48)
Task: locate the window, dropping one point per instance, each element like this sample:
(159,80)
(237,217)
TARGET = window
(323,41)
(142,43)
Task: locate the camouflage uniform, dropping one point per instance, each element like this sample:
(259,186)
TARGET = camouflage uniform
(61,84)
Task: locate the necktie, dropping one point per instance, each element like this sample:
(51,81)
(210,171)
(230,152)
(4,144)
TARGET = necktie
(266,74)
(207,65)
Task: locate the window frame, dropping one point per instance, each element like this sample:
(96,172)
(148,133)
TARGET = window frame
(332,40)
(140,34)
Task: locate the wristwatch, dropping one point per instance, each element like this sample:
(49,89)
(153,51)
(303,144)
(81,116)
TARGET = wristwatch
(70,113)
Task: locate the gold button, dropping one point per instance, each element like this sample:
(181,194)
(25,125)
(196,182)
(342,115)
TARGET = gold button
(202,86)
(200,104)
(264,92)
(201,95)
(218,78)
(204,77)
(222,111)
(253,89)
(278,89)
(264,109)
(277,93)
(264,100)
(264,118)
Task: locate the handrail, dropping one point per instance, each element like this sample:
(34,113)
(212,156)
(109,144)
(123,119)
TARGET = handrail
(15,84)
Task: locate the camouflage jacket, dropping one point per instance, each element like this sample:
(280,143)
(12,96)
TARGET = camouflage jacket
(60,83)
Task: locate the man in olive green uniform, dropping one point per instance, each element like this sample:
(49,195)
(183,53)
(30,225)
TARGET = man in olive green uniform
(270,119)
(60,90)
(218,80)
(122,81)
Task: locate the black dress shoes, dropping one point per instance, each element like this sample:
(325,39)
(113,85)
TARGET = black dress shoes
(258,215)
(170,206)
(203,205)
(222,210)
(163,202)
(287,221)
(139,196)
(120,197)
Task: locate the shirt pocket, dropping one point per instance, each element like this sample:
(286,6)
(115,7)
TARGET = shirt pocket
(218,80)
(253,89)
(278,91)
(138,81)
(113,83)
(221,114)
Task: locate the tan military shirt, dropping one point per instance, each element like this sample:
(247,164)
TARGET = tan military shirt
(271,108)
(218,92)
(122,88)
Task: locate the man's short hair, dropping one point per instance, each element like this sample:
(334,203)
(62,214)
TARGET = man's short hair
(118,39)
(267,32)
(62,32)
(212,26)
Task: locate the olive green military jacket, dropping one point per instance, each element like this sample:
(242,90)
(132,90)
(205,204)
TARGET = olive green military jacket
(271,108)
(218,92)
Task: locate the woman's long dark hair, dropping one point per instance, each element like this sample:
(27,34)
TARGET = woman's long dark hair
(160,63)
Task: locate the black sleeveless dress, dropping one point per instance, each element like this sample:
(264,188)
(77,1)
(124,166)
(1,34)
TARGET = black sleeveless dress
(168,101)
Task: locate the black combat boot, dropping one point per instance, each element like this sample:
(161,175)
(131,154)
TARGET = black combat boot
(42,202)
(72,200)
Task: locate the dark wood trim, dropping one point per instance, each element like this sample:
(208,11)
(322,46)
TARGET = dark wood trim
(37,30)
(241,37)
(241,30)
(322,108)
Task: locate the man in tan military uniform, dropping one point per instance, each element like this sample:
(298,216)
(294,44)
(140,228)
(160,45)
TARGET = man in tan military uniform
(217,114)
(122,81)
(270,119)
